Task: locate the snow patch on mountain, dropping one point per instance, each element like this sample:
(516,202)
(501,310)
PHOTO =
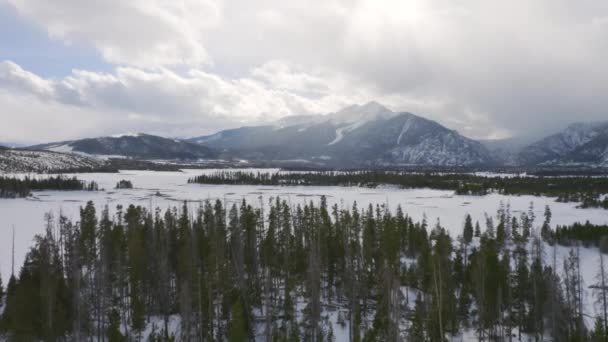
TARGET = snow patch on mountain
(129,134)
(340,132)
(354,117)
(339,135)
(63,148)
(406,126)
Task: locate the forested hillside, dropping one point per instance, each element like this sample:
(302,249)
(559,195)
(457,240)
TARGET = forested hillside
(285,272)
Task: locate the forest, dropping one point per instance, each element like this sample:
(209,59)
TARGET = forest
(585,233)
(13,187)
(282,272)
(587,200)
(462,184)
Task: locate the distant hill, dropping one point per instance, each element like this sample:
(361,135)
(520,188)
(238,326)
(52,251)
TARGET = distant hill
(13,160)
(141,146)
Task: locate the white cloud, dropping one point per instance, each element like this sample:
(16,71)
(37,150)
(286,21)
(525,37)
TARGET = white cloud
(160,101)
(14,78)
(146,33)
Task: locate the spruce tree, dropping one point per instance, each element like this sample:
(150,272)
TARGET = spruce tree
(467,233)
(546,228)
(477,229)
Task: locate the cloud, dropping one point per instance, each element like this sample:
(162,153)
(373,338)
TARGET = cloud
(13,77)
(484,68)
(163,101)
(146,33)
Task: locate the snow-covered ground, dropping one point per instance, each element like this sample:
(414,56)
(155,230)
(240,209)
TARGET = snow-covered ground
(27,215)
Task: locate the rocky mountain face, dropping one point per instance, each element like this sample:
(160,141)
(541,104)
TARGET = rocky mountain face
(367,135)
(579,143)
(142,146)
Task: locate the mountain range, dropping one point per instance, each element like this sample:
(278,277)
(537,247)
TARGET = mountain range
(579,143)
(368,135)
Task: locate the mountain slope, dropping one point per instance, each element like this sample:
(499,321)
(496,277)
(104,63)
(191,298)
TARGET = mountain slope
(13,160)
(581,143)
(366,135)
(142,146)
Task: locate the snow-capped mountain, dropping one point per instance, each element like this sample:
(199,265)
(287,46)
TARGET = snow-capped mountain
(358,135)
(369,135)
(142,146)
(13,160)
(579,143)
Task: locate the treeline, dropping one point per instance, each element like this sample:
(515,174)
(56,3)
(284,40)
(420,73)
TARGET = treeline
(586,200)
(286,272)
(586,233)
(463,184)
(12,187)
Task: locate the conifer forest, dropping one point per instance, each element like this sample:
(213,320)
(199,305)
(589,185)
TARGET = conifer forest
(276,271)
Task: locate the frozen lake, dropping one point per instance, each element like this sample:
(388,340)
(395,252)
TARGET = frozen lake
(27,215)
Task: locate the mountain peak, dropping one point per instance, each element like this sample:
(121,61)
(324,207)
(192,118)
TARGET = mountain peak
(361,113)
(369,107)
(374,106)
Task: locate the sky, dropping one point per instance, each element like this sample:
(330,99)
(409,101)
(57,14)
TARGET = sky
(183,68)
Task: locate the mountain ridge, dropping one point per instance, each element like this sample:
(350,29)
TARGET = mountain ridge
(359,135)
(140,145)
(581,142)
(368,135)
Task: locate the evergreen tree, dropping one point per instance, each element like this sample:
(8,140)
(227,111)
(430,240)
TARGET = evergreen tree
(417,329)
(467,233)
(599,331)
(546,228)
(1,292)
(113,332)
(237,328)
